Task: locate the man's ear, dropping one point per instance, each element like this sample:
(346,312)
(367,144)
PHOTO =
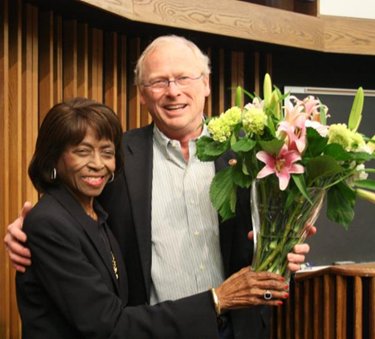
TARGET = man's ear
(206,81)
(141,96)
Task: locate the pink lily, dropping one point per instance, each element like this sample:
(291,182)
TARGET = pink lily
(283,165)
(311,106)
(293,127)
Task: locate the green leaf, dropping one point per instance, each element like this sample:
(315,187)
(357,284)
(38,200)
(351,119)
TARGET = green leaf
(243,145)
(321,166)
(208,149)
(337,152)
(368,184)
(272,146)
(223,193)
(271,125)
(300,183)
(340,204)
(355,116)
(361,156)
(241,176)
(315,142)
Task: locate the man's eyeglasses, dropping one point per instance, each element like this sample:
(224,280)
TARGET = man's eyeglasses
(161,84)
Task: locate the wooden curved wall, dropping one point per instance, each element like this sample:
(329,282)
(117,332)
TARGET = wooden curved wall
(46,57)
(50,52)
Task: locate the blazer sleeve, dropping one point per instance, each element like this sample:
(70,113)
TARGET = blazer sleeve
(79,292)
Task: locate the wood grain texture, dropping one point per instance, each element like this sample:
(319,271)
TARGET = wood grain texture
(329,304)
(47,55)
(252,22)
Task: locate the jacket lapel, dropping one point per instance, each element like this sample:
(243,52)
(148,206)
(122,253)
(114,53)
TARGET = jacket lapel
(68,202)
(138,153)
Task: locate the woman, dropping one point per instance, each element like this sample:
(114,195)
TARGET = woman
(77,284)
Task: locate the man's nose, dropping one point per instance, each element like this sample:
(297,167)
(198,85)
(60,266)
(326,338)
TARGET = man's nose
(173,89)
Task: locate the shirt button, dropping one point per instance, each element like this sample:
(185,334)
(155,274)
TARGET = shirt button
(196,233)
(201,267)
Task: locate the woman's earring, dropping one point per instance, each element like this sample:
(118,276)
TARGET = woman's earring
(112,178)
(53,174)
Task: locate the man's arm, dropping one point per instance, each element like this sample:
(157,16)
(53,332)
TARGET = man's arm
(14,239)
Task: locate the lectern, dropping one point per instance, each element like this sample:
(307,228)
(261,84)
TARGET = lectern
(335,302)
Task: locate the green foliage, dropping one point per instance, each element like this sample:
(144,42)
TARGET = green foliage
(329,161)
(223,193)
(340,204)
(209,149)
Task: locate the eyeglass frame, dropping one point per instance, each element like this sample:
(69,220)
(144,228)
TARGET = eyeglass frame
(166,83)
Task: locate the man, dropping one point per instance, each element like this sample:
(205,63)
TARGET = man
(160,209)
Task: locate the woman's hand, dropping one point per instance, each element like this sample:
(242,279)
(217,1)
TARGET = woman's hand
(14,239)
(248,288)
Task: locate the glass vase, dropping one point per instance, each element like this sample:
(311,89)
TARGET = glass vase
(280,220)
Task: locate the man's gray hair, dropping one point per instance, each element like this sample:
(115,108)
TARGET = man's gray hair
(167,39)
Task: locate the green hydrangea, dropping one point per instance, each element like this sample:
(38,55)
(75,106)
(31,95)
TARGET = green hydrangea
(254,119)
(221,127)
(340,134)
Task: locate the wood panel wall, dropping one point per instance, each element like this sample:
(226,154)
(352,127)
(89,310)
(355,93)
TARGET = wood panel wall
(46,57)
(53,50)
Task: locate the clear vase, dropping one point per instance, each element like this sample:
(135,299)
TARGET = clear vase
(280,219)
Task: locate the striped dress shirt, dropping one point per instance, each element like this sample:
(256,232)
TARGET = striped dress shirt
(186,257)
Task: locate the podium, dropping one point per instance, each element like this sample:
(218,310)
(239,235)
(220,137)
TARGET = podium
(335,302)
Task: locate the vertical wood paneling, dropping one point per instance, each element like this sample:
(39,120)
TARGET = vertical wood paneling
(111,69)
(30,99)
(316,314)
(58,60)
(134,112)
(122,79)
(45,58)
(82,62)
(221,82)
(96,65)
(5,270)
(341,289)
(15,132)
(358,308)
(70,59)
(371,317)
(237,74)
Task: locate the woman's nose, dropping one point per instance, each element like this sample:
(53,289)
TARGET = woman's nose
(96,161)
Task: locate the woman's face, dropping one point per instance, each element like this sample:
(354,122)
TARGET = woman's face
(85,168)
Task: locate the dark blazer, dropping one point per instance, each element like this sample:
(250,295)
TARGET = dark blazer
(128,201)
(70,290)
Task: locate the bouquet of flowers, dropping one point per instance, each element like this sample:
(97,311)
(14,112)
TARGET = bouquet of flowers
(284,149)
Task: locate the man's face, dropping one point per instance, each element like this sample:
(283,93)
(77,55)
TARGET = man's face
(176,111)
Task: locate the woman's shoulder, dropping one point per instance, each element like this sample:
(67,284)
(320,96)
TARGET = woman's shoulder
(47,212)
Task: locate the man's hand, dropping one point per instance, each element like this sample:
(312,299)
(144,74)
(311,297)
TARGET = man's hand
(297,257)
(14,239)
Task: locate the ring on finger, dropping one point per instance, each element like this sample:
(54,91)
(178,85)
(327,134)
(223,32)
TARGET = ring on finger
(267,295)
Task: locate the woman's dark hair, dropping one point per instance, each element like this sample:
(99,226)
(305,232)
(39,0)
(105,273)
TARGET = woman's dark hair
(66,125)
